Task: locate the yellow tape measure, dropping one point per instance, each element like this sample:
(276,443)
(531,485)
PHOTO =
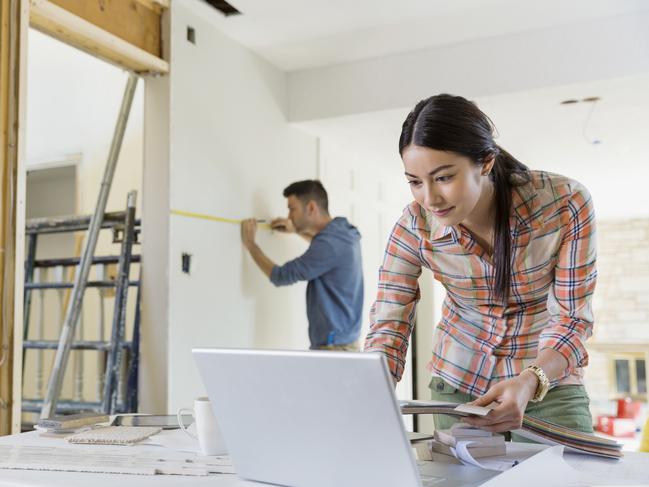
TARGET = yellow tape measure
(214,218)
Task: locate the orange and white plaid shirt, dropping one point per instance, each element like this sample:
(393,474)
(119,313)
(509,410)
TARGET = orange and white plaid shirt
(479,340)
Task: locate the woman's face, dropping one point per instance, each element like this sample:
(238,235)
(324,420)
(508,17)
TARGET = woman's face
(445,183)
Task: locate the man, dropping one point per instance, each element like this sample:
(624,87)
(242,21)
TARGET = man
(331,265)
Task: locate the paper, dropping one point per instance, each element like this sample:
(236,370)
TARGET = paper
(109,460)
(541,470)
(474,410)
(113,435)
(516,454)
(176,440)
(461,451)
(632,470)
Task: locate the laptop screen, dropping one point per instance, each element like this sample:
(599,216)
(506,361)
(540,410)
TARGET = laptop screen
(312,418)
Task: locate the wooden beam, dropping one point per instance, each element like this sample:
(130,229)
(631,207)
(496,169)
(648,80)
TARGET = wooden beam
(13,32)
(155,5)
(134,21)
(85,35)
(6,347)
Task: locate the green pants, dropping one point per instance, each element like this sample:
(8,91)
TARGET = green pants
(564,405)
(347,347)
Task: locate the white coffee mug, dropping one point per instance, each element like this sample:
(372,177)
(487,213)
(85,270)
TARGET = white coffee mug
(207,429)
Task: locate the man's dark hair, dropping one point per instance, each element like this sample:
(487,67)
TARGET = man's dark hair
(310,189)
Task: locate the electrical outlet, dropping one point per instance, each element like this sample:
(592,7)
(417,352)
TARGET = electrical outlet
(191,34)
(186,262)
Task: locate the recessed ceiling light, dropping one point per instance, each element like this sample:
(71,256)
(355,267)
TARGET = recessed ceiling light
(588,99)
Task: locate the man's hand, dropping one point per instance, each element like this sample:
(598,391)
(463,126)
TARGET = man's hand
(512,395)
(248,232)
(282,225)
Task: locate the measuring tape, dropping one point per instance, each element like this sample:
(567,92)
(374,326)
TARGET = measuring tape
(214,218)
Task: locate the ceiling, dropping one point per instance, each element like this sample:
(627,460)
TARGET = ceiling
(544,134)
(302,34)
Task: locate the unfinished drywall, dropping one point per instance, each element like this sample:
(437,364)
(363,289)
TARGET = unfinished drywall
(231,154)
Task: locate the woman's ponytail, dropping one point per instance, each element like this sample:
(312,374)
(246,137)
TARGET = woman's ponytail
(507,172)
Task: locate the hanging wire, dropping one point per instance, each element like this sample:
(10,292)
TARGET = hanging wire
(593,100)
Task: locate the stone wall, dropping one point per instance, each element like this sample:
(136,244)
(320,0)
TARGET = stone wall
(622,296)
(621,302)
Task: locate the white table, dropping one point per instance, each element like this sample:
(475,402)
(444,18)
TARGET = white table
(633,469)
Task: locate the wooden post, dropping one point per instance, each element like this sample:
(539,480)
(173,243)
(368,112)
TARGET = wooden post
(13,32)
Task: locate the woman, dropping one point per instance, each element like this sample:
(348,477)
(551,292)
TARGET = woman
(515,250)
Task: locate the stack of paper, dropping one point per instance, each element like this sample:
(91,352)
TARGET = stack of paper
(479,443)
(441,407)
(114,435)
(69,424)
(108,460)
(533,428)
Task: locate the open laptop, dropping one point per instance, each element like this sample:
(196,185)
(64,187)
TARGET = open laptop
(317,419)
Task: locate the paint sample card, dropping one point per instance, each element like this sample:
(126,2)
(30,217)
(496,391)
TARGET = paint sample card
(474,410)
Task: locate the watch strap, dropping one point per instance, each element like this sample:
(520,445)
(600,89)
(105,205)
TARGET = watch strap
(544,383)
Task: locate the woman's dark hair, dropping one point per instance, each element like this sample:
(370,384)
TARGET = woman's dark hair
(455,124)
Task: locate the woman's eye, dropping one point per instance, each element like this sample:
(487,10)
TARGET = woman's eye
(443,179)
(414,183)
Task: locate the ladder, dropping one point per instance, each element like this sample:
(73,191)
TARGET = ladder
(114,349)
(117,387)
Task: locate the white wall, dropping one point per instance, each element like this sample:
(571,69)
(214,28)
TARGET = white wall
(231,154)
(544,134)
(72,106)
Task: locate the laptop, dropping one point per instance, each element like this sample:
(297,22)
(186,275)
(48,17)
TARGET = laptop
(317,419)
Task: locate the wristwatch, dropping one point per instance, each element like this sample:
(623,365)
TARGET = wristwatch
(544,383)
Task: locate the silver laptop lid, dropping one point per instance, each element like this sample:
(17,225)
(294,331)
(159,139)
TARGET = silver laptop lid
(309,419)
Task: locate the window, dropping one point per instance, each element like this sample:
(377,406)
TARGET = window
(641,374)
(629,375)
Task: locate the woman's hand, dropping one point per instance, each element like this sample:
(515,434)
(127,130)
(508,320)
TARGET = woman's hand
(512,396)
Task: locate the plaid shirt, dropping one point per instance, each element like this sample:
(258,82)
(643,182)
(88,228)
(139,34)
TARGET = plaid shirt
(480,340)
